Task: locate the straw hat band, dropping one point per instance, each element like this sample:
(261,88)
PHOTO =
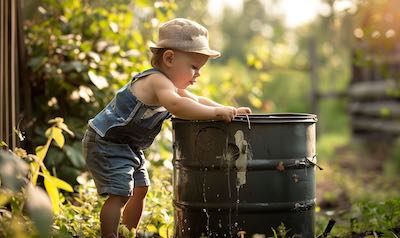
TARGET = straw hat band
(198,43)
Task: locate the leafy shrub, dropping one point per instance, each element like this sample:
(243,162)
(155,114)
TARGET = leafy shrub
(377,216)
(79,53)
(19,195)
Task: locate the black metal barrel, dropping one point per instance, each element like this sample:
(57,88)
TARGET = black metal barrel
(251,175)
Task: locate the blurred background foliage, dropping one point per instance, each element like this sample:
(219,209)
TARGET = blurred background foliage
(79,52)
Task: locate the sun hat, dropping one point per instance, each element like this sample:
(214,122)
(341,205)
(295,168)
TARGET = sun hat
(185,35)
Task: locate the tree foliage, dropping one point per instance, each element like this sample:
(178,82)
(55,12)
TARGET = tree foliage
(79,54)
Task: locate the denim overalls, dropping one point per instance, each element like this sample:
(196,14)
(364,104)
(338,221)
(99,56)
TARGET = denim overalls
(115,138)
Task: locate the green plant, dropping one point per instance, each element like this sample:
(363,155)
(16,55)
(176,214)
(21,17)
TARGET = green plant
(79,215)
(395,153)
(51,183)
(85,205)
(376,216)
(19,172)
(158,215)
(281,231)
(79,52)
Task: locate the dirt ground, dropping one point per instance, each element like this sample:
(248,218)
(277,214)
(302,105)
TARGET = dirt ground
(356,172)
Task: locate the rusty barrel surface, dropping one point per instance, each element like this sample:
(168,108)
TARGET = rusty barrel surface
(251,175)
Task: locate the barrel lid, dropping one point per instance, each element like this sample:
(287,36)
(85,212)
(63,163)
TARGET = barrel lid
(269,118)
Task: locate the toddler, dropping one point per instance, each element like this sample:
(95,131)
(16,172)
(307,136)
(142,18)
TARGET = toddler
(117,135)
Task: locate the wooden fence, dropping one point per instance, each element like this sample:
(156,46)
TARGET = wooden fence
(10,51)
(374,95)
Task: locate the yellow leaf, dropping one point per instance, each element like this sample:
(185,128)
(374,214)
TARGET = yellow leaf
(53,194)
(165,231)
(4,198)
(20,152)
(122,229)
(41,151)
(255,101)
(250,59)
(258,64)
(317,209)
(3,144)
(142,3)
(65,128)
(59,183)
(57,120)
(62,184)
(57,135)
(48,132)
(151,228)
(35,171)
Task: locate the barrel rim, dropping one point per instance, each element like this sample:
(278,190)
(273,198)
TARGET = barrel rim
(263,118)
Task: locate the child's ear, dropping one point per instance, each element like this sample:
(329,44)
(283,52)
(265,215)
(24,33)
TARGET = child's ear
(168,57)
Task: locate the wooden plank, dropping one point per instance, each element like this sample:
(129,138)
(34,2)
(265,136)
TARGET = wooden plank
(6,61)
(384,109)
(13,71)
(2,69)
(373,89)
(376,125)
(312,52)
(9,70)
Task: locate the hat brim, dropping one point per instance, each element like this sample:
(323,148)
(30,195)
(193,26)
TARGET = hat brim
(213,54)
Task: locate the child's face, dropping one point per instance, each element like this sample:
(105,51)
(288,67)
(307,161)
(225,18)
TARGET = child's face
(186,68)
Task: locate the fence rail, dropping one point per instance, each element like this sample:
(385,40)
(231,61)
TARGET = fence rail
(374,95)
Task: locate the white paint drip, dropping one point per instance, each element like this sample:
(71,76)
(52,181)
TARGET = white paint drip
(241,162)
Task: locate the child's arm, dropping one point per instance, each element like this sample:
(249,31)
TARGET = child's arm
(209,102)
(200,99)
(184,107)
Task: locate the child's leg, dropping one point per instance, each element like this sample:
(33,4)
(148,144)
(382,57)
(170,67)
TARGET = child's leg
(110,215)
(134,207)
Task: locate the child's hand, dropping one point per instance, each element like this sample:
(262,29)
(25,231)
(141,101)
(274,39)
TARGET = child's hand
(226,113)
(243,110)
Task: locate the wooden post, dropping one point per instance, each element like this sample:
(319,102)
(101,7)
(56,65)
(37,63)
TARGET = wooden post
(2,68)
(9,50)
(312,50)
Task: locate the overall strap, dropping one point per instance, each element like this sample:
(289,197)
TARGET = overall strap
(145,73)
